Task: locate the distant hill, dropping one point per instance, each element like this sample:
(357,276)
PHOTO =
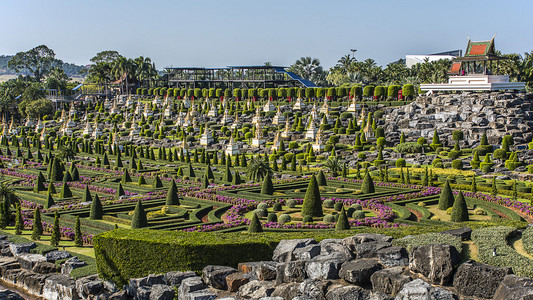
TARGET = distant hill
(71,70)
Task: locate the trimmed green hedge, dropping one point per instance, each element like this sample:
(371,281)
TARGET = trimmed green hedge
(410,242)
(527,240)
(496,237)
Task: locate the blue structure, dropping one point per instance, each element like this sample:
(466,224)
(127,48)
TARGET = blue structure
(235,77)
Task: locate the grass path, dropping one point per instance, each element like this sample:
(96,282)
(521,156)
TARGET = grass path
(470,251)
(518,246)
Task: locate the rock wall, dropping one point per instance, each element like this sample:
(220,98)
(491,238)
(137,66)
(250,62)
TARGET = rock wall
(494,113)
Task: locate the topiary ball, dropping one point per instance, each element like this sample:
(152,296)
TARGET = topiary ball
(358,214)
(284,218)
(356,206)
(422,204)
(479,211)
(272,217)
(350,211)
(307,219)
(262,213)
(291,203)
(277,207)
(449,210)
(338,206)
(329,219)
(329,203)
(262,205)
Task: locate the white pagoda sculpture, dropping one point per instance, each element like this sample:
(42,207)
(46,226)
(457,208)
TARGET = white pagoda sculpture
(39,126)
(88,129)
(138,108)
(299,104)
(213,111)
(319,146)
(279,118)
(207,138)
(257,118)
(156,102)
(236,122)
(269,106)
(277,142)
(97,133)
(72,110)
(186,103)
(287,132)
(353,106)
(314,111)
(129,102)
(311,129)
(258,140)
(232,148)
(325,106)
(226,118)
(63,117)
(147,111)
(135,130)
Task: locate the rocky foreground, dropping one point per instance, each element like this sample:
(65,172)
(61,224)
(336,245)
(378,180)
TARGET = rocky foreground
(364,266)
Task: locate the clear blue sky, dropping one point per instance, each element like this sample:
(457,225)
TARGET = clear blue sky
(218,33)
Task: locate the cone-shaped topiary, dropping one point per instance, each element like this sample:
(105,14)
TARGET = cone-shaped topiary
(268,186)
(56,172)
(77,233)
(180,172)
(157,182)
(120,191)
(255,225)
(321,179)
(205,182)
(49,202)
(367,187)
(56,234)
(126,177)
(67,177)
(446,197)
(139,219)
(473,188)
(209,172)
(87,195)
(191,171)
(140,166)
(236,179)
(312,205)
(227,175)
(459,210)
(97,210)
(342,222)
(65,191)
(141,180)
(37,227)
(105,160)
(39,183)
(172,195)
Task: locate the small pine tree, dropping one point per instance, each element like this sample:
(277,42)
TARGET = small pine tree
(191,170)
(473,188)
(209,172)
(139,219)
(367,187)
(77,233)
(172,195)
(37,227)
(126,176)
(236,179)
(402,138)
(56,234)
(205,182)
(255,225)
(227,175)
(19,224)
(180,172)
(97,211)
(459,210)
(39,183)
(425,181)
(494,188)
(446,197)
(312,205)
(268,186)
(342,222)
(87,195)
(321,179)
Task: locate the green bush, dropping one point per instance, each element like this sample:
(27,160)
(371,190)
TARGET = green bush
(457,164)
(409,147)
(338,206)
(358,214)
(328,203)
(409,242)
(356,206)
(284,218)
(400,163)
(329,219)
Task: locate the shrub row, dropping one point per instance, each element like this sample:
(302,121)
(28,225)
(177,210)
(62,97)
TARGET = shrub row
(410,242)
(490,238)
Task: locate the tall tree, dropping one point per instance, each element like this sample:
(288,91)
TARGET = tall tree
(37,61)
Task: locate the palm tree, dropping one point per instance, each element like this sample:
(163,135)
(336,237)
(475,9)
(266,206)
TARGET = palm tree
(258,168)
(307,67)
(8,193)
(122,69)
(334,165)
(67,151)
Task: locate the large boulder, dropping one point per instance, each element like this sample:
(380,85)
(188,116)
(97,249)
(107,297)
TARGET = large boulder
(28,260)
(215,276)
(10,295)
(19,248)
(89,286)
(235,280)
(287,290)
(293,271)
(256,289)
(334,249)
(140,287)
(313,289)
(285,248)
(514,287)
(306,253)
(28,280)
(393,256)
(463,233)
(44,267)
(475,279)
(389,281)
(323,269)
(190,285)
(60,287)
(369,249)
(359,271)
(52,256)
(265,270)
(175,278)
(162,292)
(436,262)
(348,292)
(421,290)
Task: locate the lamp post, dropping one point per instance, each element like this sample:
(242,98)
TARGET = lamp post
(353,52)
